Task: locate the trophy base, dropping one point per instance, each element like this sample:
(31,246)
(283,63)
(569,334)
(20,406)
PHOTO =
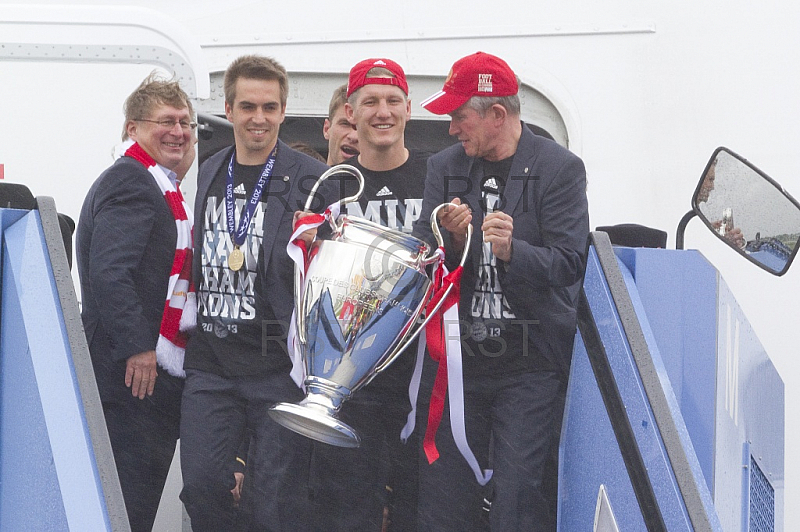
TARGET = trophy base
(315,423)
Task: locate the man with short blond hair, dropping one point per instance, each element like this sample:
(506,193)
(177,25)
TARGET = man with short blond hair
(350,484)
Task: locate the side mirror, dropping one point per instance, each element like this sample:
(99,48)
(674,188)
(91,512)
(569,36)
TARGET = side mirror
(748,211)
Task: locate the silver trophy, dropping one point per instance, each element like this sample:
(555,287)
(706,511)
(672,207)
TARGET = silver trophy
(359,307)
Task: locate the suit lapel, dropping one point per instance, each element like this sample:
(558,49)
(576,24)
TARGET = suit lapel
(519,178)
(205,178)
(275,208)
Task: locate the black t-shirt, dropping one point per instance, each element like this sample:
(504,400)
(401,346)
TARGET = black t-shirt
(494,341)
(392,198)
(232,317)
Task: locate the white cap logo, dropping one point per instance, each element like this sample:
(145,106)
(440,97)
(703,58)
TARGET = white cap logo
(484,83)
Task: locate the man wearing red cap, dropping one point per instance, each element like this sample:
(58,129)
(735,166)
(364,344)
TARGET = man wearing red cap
(525,197)
(350,484)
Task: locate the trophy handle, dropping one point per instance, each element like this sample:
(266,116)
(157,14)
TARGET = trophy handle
(438,235)
(347,169)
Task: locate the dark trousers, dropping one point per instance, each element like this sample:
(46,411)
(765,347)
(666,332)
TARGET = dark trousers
(349,486)
(143,433)
(510,422)
(216,415)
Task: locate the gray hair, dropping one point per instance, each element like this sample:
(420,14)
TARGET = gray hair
(155,90)
(481,104)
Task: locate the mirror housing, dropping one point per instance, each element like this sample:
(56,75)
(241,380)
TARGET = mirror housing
(748,211)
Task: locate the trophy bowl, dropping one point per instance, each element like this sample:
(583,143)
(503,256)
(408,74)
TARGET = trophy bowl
(359,306)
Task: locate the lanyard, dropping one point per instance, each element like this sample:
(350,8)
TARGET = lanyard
(238,234)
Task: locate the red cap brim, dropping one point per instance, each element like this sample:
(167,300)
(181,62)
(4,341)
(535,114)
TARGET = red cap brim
(442,103)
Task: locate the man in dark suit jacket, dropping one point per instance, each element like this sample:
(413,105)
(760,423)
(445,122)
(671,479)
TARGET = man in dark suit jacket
(525,198)
(126,246)
(238,364)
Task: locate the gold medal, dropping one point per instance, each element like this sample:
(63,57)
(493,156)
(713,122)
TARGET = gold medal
(236,259)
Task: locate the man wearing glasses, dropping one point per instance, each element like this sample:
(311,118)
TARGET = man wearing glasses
(134,260)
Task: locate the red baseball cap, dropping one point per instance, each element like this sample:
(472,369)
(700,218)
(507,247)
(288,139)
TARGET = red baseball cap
(479,74)
(358,75)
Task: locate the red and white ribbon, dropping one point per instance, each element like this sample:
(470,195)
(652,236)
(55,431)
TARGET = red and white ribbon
(296,248)
(443,338)
(416,377)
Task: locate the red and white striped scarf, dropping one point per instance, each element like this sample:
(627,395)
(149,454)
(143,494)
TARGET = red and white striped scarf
(180,309)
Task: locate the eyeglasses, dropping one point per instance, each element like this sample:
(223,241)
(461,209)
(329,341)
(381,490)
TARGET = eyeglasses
(169,124)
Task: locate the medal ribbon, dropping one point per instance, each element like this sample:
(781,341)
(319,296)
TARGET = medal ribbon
(239,234)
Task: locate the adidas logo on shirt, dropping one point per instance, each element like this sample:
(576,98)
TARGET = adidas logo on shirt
(240,190)
(384,192)
(491,183)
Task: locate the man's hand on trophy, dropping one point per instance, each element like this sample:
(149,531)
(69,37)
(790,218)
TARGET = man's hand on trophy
(306,236)
(456,220)
(498,227)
